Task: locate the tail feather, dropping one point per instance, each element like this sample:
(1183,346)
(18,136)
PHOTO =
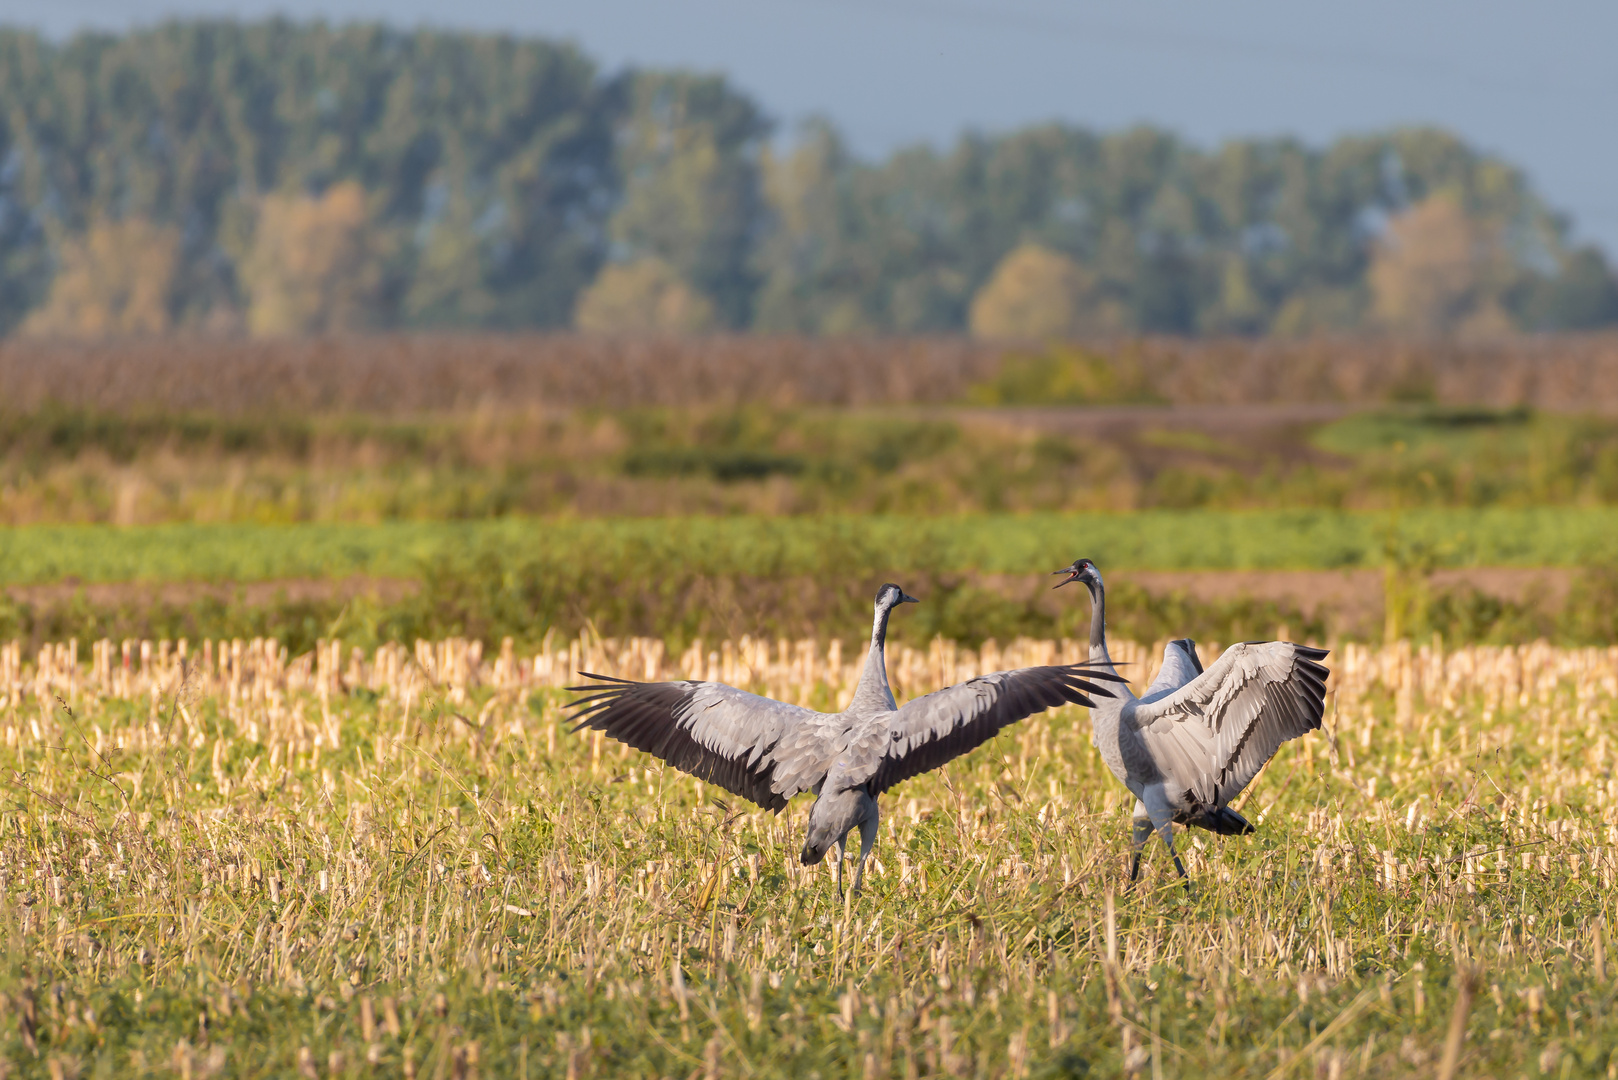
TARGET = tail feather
(1224,821)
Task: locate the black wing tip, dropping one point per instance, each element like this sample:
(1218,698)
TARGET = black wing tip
(624,710)
(1189,647)
(612,682)
(1088,671)
(1234,824)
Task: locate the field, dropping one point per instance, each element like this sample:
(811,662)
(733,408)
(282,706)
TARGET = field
(371,430)
(247,832)
(389,488)
(983,576)
(220,857)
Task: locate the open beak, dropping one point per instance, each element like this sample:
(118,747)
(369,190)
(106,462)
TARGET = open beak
(906,598)
(1074,576)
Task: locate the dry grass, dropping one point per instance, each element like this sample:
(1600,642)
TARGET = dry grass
(435,373)
(228,859)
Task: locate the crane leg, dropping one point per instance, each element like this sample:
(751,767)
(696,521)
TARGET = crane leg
(867,842)
(841,846)
(1162,821)
(1143,832)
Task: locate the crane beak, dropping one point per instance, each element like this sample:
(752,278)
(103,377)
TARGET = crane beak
(906,598)
(1073,571)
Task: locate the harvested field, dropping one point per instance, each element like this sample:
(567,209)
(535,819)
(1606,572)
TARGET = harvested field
(218,855)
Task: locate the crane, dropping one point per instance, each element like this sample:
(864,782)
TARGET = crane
(1196,738)
(767,751)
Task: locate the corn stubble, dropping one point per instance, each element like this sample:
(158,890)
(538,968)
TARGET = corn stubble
(222,858)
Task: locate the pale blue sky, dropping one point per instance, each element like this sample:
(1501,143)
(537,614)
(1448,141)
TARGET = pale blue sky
(1536,83)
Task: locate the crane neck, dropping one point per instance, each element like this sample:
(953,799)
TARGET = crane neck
(879,626)
(1098,620)
(1106,728)
(873,693)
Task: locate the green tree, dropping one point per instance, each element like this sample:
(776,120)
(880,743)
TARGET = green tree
(192,123)
(812,281)
(501,174)
(688,153)
(1581,295)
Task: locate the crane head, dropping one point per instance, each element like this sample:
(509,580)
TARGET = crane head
(890,595)
(1081,570)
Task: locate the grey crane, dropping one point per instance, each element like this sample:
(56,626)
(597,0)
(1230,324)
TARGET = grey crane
(1196,738)
(767,751)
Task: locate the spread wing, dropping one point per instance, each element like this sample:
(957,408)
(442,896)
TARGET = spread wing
(1212,735)
(1181,664)
(938,727)
(756,747)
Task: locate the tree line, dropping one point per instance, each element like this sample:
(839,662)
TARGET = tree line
(278,177)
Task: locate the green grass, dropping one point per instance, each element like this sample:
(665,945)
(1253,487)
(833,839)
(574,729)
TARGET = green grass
(301,883)
(1463,432)
(713,578)
(1002,544)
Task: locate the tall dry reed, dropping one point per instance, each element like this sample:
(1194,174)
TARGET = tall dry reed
(432,373)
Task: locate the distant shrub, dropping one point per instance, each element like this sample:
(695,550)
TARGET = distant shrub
(1065,375)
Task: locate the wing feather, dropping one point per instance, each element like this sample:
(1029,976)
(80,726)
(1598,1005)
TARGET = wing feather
(756,747)
(1210,737)
(938,727)
(1180,665)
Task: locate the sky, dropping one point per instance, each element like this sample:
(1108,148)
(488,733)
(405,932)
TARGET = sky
(1536,84)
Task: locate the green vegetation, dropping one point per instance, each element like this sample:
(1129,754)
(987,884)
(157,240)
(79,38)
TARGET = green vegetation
(997,544)
(723,522)
(1062,375)
(1457,431)
(1478,457)
(360,177)
(284,875)
(60,465)
(681,579)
